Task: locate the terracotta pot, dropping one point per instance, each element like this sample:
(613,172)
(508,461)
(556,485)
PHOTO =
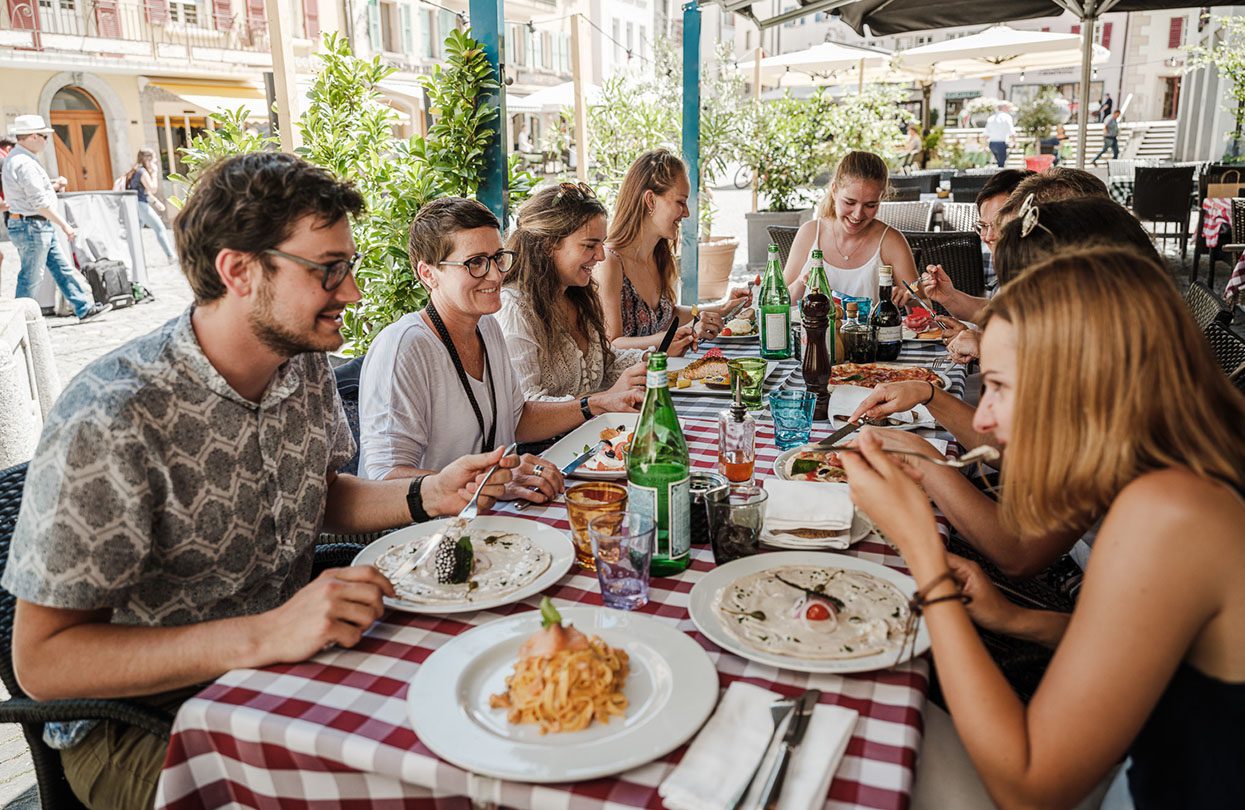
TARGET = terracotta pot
(716,258)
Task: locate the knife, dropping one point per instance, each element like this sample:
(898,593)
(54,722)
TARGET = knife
(837,436)
(795,734)
(669,337)
(574,464)
(778,713)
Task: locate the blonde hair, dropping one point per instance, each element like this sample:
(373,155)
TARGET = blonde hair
(854,166)
(1114,380)
(657,170)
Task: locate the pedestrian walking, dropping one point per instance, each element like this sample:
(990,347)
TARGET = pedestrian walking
(32,214)
(1110,138)
(142,178)
(1105,108)
(1000,127)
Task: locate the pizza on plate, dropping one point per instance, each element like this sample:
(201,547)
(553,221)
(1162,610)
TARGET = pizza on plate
(816,465)
(869,375)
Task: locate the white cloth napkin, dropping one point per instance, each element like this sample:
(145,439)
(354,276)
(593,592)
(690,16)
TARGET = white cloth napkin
(845,399)
(808,504)
(727,750)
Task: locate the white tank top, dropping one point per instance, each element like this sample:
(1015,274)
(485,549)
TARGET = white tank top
(859,282)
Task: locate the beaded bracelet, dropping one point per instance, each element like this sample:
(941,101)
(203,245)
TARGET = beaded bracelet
(919,601)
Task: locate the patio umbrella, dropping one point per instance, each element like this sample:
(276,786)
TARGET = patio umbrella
(826,63)
(996,50)
(899,16)
(552,99)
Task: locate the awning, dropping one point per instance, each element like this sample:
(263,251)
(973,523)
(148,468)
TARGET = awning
(204,99)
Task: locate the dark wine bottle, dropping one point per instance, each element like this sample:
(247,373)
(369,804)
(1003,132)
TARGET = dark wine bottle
(885,321)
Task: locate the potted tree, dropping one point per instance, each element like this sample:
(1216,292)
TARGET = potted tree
(1036,118)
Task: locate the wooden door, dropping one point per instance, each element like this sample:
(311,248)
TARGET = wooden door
(81,139)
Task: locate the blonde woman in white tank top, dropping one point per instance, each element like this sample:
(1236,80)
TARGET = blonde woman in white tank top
(853,241)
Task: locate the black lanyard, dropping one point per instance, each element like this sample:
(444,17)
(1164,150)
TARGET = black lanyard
(444,334)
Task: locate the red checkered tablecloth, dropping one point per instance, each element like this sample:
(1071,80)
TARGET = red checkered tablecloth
(333,732)
(1216,213)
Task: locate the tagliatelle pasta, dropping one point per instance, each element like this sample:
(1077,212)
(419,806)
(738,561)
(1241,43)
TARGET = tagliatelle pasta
(566,691)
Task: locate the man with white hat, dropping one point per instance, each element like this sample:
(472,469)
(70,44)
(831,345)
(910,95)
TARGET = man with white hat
(32,213)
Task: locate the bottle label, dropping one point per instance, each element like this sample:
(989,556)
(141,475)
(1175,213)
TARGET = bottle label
(657,379)
(777,337)
(677,521)
(890,334)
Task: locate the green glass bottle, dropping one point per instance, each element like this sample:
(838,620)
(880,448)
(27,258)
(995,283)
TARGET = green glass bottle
(774,303)
(659,473)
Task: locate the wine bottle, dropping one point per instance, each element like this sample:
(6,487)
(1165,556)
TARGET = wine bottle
(857,340)
(774,310)
(885,322)
(659,473)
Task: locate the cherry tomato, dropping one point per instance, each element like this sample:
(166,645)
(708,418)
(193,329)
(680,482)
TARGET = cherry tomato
(817,612)
(725,333)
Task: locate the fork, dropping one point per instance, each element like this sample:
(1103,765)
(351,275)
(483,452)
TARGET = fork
(420,554)
(978,454)
(778,712)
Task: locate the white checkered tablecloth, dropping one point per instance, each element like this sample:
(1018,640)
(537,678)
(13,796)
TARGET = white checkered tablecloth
(333,732)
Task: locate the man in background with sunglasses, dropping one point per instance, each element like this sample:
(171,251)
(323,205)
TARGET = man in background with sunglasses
(168,524)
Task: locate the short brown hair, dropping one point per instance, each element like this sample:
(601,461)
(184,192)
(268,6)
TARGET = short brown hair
(432,231)
(251,203)
(1054,185)
(1003,181)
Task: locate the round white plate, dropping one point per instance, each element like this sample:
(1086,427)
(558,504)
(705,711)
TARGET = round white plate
(908,334)
(700,605)
(861,527)
(557,543)
(732,338)
(780,463)
(671,689)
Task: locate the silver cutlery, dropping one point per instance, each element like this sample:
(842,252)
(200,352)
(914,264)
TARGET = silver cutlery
(794,736)
(570,467)
(840,434)
(419,554)
(981,453)
(778,711)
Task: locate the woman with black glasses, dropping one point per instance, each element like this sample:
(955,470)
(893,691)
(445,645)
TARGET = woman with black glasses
(438,384)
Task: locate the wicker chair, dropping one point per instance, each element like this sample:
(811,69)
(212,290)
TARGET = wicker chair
(1163,195)
(783,236)
(907,216)
(959,216)
(958,252)
(1205,306)
(1237,244)
(903,194)
(1229,350)
(54,790)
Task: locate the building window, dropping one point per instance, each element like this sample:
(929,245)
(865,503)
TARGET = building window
(427,34)
(1171,97)
(1175,32)
(617,35)
(630,39)
(447,21)
(185,12)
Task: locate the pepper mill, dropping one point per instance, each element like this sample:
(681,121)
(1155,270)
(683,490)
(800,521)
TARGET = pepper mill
(816,366)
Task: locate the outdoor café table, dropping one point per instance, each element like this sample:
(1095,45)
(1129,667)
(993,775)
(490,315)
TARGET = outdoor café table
(333,732)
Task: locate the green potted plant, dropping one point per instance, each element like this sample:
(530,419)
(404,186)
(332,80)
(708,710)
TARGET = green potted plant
(1036,118)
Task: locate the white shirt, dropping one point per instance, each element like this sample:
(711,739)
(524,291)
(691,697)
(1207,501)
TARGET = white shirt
(999,126)
(413,411)
(27,187)
(858,282)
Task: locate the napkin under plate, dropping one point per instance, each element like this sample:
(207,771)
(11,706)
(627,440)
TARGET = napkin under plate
(808,504)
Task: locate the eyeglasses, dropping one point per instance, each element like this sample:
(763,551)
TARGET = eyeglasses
(580,191)
(478,266)
(982,226)
(334,272)
(1029,217)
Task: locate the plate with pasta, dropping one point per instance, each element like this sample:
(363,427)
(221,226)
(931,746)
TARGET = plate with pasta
(562,695)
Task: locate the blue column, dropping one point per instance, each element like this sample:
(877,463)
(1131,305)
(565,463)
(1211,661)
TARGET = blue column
(487,25)
(688,244)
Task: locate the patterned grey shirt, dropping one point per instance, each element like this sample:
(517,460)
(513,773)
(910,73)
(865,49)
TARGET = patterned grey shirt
(160,492)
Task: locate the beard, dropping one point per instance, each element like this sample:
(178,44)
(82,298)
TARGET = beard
(281,338)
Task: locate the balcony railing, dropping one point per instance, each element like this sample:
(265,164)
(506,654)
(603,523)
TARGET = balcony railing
(165,30)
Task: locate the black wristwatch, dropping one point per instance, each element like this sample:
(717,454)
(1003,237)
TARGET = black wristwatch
(584,409)
(415,499)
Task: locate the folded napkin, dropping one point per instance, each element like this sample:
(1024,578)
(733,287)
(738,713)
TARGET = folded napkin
(808,504)
(845,399)
(728,749)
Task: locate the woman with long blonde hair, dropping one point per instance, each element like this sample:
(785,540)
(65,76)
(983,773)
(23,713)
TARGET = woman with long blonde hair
(1114,414)
(638,279)
(143,178)
(550,311)
(853,241)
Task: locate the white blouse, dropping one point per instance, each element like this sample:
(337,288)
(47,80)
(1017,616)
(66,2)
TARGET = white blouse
(567,373)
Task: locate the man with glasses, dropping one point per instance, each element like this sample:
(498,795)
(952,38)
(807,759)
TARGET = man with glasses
(439,383)
(31,198)
(168,525)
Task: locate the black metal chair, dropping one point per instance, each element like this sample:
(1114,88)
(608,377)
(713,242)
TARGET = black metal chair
(965,188)
(923,182)
(903,194)
(959,216)
(958,252)
(54,790)
(1205,306)
(1161,195)
(783,236)
(907,216)
(1229,350)
(1212,173)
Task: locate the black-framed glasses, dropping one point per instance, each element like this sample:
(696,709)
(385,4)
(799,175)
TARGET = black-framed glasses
(581,191)
(478,266)
(334,272)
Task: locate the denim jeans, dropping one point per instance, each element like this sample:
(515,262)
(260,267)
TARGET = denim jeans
(148,216)
(36,243)
(999,150)
(1108,143)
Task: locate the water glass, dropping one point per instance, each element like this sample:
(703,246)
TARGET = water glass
(623,546)
(793,417)
(748,373)
(735,524)
(585,502)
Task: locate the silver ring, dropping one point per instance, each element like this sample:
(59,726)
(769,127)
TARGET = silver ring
(538,469)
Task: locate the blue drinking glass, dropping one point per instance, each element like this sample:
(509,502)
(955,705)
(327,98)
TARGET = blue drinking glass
(793,417)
